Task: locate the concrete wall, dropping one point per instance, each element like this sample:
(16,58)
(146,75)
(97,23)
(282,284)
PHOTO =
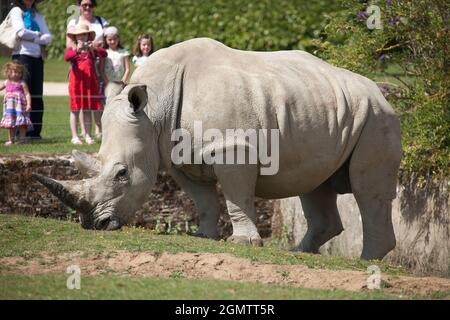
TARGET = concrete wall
(421,221)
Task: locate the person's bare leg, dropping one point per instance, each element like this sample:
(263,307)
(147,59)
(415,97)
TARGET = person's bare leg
(87,122)
(74,115)
(22,134)
(82,127)
(11,136)
(88,126)
(98,123)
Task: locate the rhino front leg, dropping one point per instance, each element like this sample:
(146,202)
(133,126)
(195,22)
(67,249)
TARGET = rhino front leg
(238,184)
(206,201)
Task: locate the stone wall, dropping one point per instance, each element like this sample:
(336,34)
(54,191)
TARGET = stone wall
(421,221)
(167,204)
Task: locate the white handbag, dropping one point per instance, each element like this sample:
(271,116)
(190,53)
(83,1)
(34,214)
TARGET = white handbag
(8,36)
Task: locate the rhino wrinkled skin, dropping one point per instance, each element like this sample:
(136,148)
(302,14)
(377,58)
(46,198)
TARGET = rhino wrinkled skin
(338,134)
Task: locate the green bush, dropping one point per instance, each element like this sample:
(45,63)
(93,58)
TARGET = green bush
(409,59)
(242,24)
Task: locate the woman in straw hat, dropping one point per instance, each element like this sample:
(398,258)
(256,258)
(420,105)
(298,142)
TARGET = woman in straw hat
(32,29)
(83,84)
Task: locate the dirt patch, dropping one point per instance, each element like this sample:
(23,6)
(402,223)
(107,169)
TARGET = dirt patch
(217,267)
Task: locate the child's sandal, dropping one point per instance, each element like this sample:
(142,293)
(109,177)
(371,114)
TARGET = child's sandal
(9,143)
(88,139)
(76,141)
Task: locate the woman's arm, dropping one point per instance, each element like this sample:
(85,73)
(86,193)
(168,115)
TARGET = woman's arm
(46,37)
(19,26)
(126,61)
(27,95)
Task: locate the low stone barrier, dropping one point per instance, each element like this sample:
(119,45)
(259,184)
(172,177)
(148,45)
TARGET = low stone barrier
(168,208)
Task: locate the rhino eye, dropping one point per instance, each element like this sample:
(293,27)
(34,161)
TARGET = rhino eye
(122,173)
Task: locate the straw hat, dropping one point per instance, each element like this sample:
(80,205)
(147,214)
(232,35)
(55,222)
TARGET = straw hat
(81,28)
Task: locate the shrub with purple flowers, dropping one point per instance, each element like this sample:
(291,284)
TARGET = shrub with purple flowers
(409,58)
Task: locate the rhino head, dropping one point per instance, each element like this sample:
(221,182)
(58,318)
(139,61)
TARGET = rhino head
(118,180)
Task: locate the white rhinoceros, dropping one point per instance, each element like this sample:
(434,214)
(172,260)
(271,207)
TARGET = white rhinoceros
(337,134)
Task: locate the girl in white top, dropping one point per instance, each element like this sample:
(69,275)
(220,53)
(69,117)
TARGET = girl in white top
(143,49)
(117,66)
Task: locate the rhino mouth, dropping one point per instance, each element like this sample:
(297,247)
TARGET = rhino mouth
(104,219)
(108,224)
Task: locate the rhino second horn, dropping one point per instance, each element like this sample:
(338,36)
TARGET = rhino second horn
(64,194)
(86,164)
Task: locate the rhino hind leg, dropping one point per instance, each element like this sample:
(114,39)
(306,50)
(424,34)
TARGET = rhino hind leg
(322,216)
(373,175)
(378,231)
(206,201)
(238,185)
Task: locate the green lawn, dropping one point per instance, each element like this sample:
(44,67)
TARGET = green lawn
(30,236)
(55,133)
(53,286)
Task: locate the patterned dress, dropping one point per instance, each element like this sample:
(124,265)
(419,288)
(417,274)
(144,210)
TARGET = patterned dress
(14,106)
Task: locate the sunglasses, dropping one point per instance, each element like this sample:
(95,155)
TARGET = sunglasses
(87,5)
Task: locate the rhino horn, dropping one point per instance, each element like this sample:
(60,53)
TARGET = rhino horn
(86,164)
(67,192)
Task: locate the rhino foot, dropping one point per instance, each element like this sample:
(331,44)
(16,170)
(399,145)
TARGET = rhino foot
(255,241)
(201,234)
(307,248)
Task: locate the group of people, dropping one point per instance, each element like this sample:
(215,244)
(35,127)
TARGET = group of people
(96,57)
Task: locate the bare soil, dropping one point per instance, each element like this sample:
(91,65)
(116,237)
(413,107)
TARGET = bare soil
(218,267)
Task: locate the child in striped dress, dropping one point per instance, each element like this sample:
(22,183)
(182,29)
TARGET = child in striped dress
(16,103)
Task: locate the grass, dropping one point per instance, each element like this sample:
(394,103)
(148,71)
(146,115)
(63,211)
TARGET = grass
(55,133)
(53,286)
(29,237)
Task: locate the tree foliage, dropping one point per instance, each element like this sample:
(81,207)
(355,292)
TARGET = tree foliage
(409,59)
(242,24)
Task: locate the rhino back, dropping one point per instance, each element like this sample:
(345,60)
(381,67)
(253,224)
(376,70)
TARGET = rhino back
(319,109)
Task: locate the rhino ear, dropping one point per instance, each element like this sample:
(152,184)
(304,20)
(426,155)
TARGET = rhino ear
(86,164)
(138,98)
(112,90)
